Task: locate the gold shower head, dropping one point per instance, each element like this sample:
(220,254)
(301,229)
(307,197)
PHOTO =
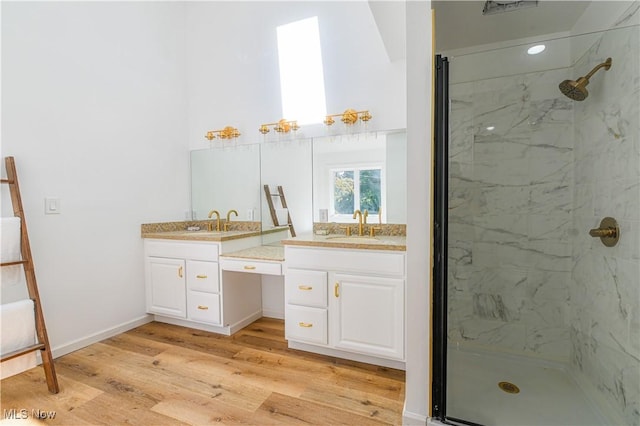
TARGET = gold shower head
(577,90)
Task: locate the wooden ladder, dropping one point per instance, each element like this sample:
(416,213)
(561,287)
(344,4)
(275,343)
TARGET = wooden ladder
(32,287)
(272,209)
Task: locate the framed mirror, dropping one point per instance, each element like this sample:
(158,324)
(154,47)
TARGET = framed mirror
(358,172)
(224,179)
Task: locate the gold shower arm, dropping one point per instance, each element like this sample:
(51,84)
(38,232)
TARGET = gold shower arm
(606,64)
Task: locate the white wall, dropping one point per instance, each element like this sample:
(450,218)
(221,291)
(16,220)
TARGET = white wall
(419,219)
(233,76)
(93,109)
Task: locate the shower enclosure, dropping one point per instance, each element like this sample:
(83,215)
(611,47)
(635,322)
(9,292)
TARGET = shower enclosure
(539,321)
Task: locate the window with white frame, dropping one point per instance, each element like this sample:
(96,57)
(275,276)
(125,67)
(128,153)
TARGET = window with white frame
(356,188)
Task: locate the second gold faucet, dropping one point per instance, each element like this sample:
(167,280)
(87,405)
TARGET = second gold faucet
(362,220)
(226,224)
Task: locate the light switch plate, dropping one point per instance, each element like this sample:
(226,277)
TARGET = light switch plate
(51,205)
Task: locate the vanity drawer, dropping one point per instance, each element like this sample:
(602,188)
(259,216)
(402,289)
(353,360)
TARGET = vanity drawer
(251,266)
(306,324)
(203,307)
(182,250)
(308,288)
(203,276)
(370,262)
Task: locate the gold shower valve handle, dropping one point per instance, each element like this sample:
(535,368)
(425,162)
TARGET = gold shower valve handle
(608,232)
(604,233)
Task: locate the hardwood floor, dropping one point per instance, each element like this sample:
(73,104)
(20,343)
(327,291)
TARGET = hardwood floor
(160,374)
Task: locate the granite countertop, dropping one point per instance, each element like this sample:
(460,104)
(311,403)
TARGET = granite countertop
(202,235)
(272,253)
(382,242)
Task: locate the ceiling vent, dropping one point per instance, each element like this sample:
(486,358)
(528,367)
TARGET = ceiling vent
(498,6)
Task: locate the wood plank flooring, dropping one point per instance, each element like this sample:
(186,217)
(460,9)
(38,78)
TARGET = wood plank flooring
(161,374)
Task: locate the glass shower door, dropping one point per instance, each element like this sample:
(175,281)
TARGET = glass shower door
(541,320)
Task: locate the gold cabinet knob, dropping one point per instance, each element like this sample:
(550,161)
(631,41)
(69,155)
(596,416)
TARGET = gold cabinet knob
(305,324)
(305,287)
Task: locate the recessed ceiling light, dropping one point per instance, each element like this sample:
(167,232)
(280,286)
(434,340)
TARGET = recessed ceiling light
(534,50)
(490,128)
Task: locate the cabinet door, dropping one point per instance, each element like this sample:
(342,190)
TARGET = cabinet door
(368,315)
(166,292)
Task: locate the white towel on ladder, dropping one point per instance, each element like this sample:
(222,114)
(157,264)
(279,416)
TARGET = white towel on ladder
(18,328)
(12,278)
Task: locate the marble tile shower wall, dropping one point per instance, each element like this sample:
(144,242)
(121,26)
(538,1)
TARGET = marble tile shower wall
(605,288)
(511,179)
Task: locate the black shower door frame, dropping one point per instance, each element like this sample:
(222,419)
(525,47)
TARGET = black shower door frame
(440,244)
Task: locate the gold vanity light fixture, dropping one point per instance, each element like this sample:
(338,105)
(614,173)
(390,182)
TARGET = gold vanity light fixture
(349,117)
(282,126)
(226,133)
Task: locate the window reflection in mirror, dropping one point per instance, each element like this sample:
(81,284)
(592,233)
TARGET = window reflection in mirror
(358,172)
(224,179)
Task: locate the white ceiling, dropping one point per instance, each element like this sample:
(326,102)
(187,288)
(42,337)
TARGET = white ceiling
(461,24)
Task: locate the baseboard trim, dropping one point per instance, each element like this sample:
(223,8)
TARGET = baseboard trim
(272,314)
(369,359)
(101,335)
(245,321)
(196,325)
(410,419)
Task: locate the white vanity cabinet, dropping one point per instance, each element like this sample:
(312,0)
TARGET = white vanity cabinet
(346,301)
(182,280)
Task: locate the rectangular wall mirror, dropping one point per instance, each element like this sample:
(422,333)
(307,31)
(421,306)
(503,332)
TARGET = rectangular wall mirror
(224,179)
(358,172)
(288,164)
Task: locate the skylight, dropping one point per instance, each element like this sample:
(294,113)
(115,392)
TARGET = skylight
(301,75)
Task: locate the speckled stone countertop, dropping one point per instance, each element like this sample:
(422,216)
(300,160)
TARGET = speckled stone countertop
(177,231)
(200,235)
(273,253)
(382,242)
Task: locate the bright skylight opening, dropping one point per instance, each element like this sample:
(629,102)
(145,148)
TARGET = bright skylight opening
(301,75)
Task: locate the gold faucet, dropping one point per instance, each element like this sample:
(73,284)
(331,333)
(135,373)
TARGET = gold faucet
(373,229)
(226,224)
(210,225)
(358,214)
